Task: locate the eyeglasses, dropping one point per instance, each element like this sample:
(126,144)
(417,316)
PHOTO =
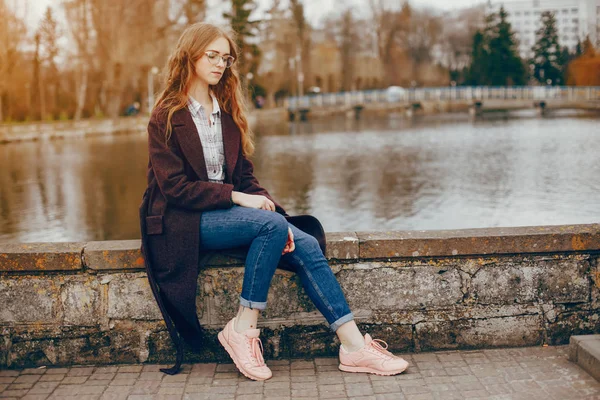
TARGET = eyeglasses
(214,58)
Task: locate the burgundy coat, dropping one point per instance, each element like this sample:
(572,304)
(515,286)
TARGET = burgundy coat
(178,192)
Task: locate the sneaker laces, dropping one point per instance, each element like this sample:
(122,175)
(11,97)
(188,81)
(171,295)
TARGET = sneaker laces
(379,344)
(256,348)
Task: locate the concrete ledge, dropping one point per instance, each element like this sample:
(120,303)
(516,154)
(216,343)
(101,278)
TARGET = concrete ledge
(21,257)
(113,254)
(585,351)
(486,241)
(90,303)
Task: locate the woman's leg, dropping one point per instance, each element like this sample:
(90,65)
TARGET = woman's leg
(265,232)
(318,280)
(357,353)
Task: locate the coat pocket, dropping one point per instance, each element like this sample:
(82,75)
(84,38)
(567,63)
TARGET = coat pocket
(154,225)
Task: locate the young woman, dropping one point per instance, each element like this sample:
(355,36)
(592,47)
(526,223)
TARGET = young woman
(202,196)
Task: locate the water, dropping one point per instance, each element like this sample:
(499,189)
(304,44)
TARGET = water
(374,174)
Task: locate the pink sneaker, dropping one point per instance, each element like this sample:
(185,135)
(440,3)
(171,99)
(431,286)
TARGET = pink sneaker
(373,358)
(245,349)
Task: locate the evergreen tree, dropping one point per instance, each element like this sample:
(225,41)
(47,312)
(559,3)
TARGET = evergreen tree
(578,48)
(478,69)
(495,60)
(505,66)
(566,57)
(547,61)
(245,29)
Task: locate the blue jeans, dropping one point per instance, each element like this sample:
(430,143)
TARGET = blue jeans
(266,232)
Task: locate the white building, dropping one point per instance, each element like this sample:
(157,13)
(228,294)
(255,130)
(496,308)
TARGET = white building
(575,19)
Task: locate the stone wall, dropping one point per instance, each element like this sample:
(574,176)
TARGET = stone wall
(83,303)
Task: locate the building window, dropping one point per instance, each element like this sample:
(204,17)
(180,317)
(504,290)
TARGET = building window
(574,29)
(574,10)
(526,13)
(576,21)
(518,13)
(565,11)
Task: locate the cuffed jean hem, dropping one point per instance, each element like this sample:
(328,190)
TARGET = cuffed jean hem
(253,304)
(341,321)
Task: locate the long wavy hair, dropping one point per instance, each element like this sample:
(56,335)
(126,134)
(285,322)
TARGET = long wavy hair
(180,71)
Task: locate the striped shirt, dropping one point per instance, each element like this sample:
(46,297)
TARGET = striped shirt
(211,137)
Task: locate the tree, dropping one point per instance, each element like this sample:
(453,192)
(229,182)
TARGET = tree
(423,34)
(456,41)
(246,30)
(12,33)
(48,35)
(505,67)
(302,44)
(389,25)
(495,59)
(479,60)
(348,41)
(585,69)
(548,60)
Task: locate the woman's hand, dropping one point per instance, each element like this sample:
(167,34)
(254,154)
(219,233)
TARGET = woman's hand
(290,245)
(252,201)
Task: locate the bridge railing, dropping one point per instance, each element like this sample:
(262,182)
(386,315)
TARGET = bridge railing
(461,93)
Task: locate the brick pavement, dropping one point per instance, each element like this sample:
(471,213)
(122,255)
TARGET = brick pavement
(519,373)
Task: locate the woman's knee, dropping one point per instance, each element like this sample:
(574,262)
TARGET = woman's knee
(308,246)
(276,224)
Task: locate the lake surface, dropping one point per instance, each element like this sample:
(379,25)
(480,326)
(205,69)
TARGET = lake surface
(374,174)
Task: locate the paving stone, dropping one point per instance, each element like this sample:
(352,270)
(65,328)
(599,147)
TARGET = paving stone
(359,389)
(30,396)
(13,393)
(27,379)
(145,387)
(52,378)
(302,364)
(43,388)
(326,361)
(416,389)
(249,397)
(74,380)
(356,378)
(380,387)
(20,386)
(34,371)
(81,371)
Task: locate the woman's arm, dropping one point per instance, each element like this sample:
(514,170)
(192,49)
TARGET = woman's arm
(249,184)
(168,165)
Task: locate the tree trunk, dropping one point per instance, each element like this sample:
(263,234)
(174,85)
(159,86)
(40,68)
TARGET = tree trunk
(81,92)
(42,96)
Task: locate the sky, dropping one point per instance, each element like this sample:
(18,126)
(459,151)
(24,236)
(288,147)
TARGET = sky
(315,9)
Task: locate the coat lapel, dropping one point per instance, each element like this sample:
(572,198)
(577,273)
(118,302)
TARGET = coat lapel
(189,139)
